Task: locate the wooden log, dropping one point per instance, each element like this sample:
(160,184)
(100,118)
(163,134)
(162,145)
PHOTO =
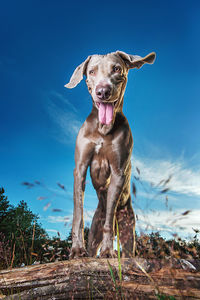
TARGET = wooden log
(89,278)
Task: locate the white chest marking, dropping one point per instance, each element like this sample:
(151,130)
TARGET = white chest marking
(98,147)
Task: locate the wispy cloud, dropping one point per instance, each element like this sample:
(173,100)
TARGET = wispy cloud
(88,215)
(52,230)
(59,219)
(169,222)
(64,115)
(184,180)
(55,95)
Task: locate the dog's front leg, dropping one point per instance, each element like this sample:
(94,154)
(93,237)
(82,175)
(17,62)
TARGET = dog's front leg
(114,191)
(83,154)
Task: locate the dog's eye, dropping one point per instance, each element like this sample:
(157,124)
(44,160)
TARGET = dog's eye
(117,69)
(92,72)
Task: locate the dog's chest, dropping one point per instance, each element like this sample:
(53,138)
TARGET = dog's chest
(100,169)
(99,146)
(102,147)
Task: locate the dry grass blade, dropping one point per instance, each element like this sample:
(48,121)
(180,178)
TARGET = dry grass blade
(151,279)
(13,256)
(33,237)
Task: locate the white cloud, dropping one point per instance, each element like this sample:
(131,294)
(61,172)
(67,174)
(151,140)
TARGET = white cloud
(55,95)
(59,219)
(52,230)
(88,215)
(64,115)
(183,180)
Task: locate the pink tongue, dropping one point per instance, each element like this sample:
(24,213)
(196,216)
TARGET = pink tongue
(105,113)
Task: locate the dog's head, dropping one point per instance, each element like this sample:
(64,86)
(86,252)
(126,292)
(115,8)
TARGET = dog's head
(106,77)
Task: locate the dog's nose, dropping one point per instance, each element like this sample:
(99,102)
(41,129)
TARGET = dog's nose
(103,92)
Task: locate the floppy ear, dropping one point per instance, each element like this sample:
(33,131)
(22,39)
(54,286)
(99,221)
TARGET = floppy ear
(77,76)
(135,61)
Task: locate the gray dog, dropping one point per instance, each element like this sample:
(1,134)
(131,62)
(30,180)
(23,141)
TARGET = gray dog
(105,144)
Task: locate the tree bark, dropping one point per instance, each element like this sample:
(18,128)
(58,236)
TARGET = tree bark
(89,278)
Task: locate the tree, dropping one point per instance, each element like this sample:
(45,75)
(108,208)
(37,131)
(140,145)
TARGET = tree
(26,233)
(20,227)
(4,205)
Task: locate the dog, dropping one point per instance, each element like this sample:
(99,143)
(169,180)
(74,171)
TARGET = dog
(104,143)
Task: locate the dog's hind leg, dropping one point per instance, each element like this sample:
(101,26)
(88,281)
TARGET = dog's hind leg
(96,231)
(126,223)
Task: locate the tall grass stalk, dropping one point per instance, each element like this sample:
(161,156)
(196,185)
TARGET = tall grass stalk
(151,279)
(113,277)
(33,236)
(13,256)
(24,248)
(118,254)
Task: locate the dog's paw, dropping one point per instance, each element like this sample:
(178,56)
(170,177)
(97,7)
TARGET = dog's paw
(77,252)
(108,253)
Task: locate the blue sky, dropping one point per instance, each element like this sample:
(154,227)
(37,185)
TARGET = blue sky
(41,44)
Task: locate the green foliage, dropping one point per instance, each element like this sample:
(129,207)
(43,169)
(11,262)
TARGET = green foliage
(164,297)
(18,225)
(4,205)
(24,241)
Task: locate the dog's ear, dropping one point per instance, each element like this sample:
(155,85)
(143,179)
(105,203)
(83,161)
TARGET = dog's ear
(135,61)
(77,76)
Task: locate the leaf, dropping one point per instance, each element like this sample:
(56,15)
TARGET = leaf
(41,198)
(161,182)
(134,189)
(186,212)
(138,170)
(196,230)
(61,186)
(168,180)
(37,182)
(47,206)
(165,190)
(166,201)
(28,184)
